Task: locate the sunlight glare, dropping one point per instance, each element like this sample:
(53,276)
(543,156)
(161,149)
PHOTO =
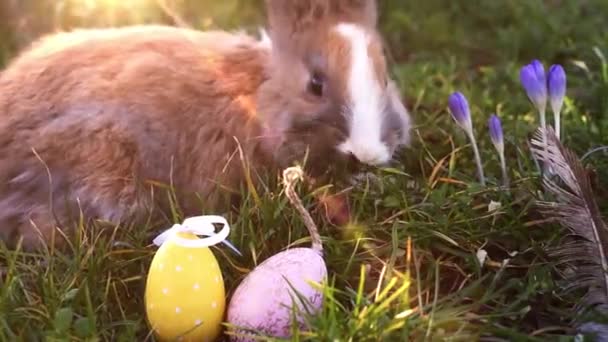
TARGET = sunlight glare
(113,4)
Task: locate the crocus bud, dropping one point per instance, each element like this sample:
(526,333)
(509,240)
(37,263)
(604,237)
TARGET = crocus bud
(532,77)
(459,108)
(556,85)
(496,135)
(495,131)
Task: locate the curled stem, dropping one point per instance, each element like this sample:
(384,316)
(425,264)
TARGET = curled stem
(597,149)
(291,176)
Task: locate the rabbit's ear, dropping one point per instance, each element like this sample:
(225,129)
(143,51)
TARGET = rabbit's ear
(363,12)
(287,18)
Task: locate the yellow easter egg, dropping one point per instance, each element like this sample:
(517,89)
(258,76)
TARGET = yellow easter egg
(185,295)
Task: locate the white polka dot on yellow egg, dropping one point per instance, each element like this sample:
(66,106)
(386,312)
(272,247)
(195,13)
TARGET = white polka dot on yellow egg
(187,289)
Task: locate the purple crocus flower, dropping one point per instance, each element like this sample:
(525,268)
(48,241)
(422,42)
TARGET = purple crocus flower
(539,69)
(459,108)
(556,85)
(532,77)
(496,135)
(495,131)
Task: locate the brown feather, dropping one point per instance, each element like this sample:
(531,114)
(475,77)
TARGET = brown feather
(574,207)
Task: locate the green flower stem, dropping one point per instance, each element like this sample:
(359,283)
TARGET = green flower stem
(543,124)
(482,178)
(556,116)
(503,167)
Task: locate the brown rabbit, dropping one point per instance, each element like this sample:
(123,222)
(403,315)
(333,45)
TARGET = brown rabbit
(91,119)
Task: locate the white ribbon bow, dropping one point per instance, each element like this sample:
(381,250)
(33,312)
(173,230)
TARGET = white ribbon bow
(199,225)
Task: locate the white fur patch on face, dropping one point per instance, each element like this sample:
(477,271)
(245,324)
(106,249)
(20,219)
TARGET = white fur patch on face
(366,101)
(265,39)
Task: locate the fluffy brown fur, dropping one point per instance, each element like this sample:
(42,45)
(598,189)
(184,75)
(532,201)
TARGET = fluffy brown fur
(111,114)
(90,120)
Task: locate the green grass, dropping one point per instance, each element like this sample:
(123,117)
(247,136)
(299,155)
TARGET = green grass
(408,269)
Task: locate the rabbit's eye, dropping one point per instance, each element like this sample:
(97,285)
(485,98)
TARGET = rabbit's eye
(316,84)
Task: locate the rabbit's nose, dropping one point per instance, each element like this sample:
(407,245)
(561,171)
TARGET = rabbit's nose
(352,158)
(353,163)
